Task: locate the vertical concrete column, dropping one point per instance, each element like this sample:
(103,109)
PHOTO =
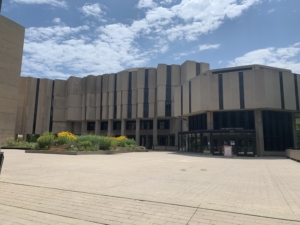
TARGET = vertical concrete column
(294,130)
(123,127)
(210,121)
(137,132)
(97,127)
(259,132)
(110,128)
(83,127)
(155,131)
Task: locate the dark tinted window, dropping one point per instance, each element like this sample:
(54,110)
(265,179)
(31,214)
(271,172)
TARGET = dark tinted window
(198,122)
(104,125)
(234,120)
(146,125)
(278,130)
(163,124)
(117,125)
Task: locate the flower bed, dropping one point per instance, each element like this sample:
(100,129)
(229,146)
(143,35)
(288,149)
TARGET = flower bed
(68,142)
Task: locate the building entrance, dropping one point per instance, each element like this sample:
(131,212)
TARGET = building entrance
(241,145)
(243,142)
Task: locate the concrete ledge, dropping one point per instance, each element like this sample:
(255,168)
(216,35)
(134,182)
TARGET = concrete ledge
(293,154)
(165,148)
(83,152)
(15,148)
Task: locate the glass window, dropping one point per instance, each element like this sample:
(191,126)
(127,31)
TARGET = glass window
(91,126)
(146,125)
(130,125)
(198,122)
(104,125)
(117,125)
(163,124)
(278,130)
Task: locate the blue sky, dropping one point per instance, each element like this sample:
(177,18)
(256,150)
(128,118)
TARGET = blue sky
(79,37)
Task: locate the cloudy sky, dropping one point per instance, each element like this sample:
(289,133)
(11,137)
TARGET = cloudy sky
(80,37)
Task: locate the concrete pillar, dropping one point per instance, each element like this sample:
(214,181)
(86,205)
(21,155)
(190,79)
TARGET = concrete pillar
(294,130)
(97,127)
(259,132)
(110,128)
(83,127)
(123,127)
(210,121)
(137,132)
(155,131)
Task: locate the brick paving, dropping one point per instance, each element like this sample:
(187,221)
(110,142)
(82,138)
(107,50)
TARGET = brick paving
(148,188)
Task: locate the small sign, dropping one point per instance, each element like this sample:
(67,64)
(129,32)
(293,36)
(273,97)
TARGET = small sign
(232,142)
(227,151)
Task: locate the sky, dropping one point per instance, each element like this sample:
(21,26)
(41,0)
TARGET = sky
(81,37)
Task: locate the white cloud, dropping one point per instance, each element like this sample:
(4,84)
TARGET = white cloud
(108,48)
(271,11)
(61,51)
(206,47)
(276,57)
(56,3)
(146,4)
(93,10)
(57,21)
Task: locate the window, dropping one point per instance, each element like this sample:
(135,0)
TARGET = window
(91,126)
(234,120)
(172,140)
(278,130)
(146,95)
(130,125)
(104,125)
(220,78)
(168,92)
(146,110)
(198,122)
(117,125)
(190,97)
(115,97)
(197,69)
(129,112)
(146,125)
(168,109)
(163,124)
(162,140)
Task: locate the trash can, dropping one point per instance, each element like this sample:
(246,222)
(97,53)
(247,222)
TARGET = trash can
(1,160)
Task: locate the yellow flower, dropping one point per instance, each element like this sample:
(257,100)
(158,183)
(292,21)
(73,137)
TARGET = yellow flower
(67,134)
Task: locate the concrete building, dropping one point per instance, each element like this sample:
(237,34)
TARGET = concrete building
(184,107)
(11,51)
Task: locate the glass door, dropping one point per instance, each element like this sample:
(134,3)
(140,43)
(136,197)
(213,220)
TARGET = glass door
(240,147)
(245,147)
(249,150)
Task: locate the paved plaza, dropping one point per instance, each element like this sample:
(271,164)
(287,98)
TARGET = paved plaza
(148,188)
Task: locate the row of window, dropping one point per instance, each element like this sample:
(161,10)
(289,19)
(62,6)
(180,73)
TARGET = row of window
(131,125)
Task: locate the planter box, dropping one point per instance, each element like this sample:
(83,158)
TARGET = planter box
(15,148)
(83,152)
(293,154)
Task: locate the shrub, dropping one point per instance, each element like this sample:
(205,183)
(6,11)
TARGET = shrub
(32,138)
(45,140)
(68,135)
(11,142)
(91,148)
(89,137)
(62,140)
(105,143)
(85,144)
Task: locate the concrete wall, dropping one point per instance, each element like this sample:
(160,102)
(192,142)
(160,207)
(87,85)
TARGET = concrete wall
(293,154)
(11,50)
